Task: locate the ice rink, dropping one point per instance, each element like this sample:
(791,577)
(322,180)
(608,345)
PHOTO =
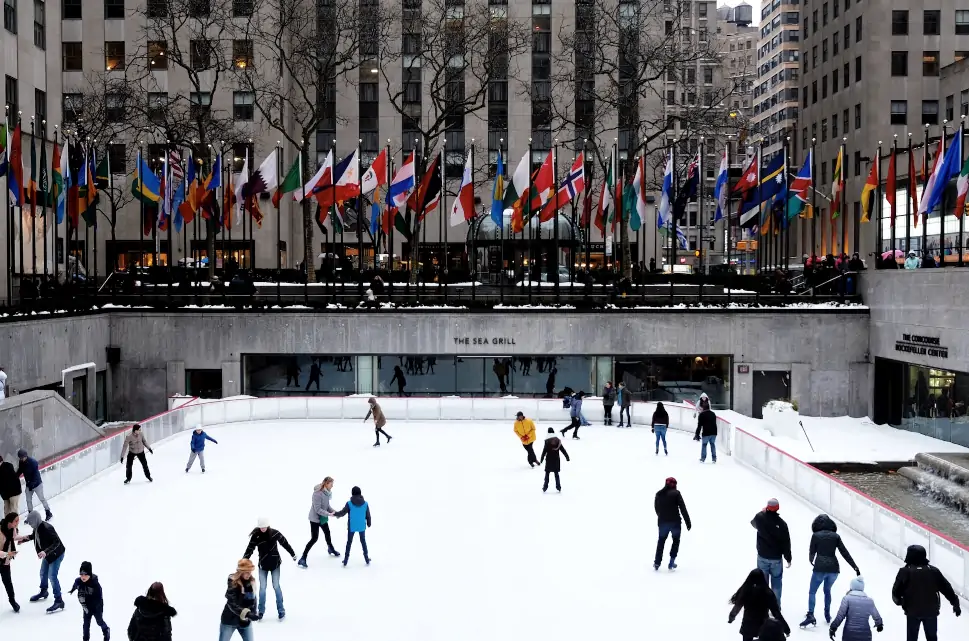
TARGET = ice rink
(465,545)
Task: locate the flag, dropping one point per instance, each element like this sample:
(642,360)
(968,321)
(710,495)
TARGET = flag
(15,167)
(606,203)
(463,208)
(191,194)
(375,213)
(88,195)
(890,186)
(586,217)
(376,174)
(572,184)
(943,171)
(402,223)
(345,182)
(498,194)
(237,199)
(388,219)
(664,213)
(533,194)
(402,184)
(322,176)
(629,195)
(165,204)
(32,183)
(427,196)
(688,189)
(912,182)
(638,213)
(3,149)
(338,224)
(208,198)
(264,179)
(57,193)
(962,189)
(867,192)
(771,184)
(680,236)
(800,189)
(748,180)
(518,186)
(291,183)
(722,189)
(837,185)
(145,186)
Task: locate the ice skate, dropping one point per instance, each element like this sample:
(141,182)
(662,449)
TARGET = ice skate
(389,439)
(15,606)
(672,565)
(377,444)
(302,562)
(808,620)
(56,607)
(656,566)
(333,552)
(40,596)
(48,515)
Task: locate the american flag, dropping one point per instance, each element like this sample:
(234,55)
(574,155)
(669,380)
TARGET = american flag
(175,166)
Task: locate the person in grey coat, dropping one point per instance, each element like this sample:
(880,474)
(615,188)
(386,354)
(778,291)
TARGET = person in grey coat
(575,412)
(320,513)
(856,608)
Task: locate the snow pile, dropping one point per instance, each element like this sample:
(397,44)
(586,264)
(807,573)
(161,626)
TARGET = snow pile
(781,419)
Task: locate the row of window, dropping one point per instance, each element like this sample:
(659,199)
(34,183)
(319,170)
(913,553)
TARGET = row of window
(899,112)
(40,20)
(243,105)
(834,83)
(200,55)
(11,91)
(930,62)
(931,22)
(824,18)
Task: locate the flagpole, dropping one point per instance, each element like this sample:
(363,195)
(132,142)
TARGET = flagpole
(528,225)
(279,226)
(393,223)
(786,227)
(555,218)
(726,216)
(945,126)
(894,204)
(880,209)
(185,198)
(50,178)
(360,220)
(46,190)
(702,183)
(760,211)
(33,202)
(95,232)
(473,258)
(588,215)
(9,212)
(674,188)
(442,275)
(960,215)
(925,181)
(908,197)
(501,244)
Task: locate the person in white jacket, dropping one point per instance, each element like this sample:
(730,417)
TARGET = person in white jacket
(3,384)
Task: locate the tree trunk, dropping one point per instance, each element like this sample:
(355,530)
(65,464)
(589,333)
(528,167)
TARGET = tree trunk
(309,255)
(415,250)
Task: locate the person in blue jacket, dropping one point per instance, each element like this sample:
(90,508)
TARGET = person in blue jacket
(91,598)
(198,448)
(30,470)
(575,413)
(359,521)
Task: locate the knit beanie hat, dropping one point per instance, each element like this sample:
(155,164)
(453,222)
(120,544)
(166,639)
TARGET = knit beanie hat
(262,522)
(86,568)
(551,430)
(355,491)
(857,584)
(21,453)
(773,505)
(671,482)
(245,565)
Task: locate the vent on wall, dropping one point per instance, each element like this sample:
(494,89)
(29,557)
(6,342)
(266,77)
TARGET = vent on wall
(114,355)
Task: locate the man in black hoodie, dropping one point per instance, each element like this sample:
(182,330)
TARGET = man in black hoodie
(669,507)
(268,540)
(773,544)
(91,598)
(50,551)
(706,429)
(917,589)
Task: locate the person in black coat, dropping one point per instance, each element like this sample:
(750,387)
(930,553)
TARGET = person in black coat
(670,514)
(773,544)
(917,588)
(550,455)
(706,429)
(152,618)
(608,400)
(8,552)
(267,541)
(822,554)
(399,379)
(10,489)
(240,599)
(758,602)
(315,373)
(91,598)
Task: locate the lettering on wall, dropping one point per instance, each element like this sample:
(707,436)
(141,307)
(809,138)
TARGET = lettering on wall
(485,340)
(922,345)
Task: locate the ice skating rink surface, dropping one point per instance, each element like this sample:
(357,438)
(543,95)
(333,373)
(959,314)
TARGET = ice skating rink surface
(465,546)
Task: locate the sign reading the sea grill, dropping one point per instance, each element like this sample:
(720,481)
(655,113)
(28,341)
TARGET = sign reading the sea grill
(924,345)
(485,340)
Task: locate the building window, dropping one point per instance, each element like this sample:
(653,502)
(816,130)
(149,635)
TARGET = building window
(200,55)
(157,106)
(824,130)
(199,8)
(899,114)
(114,9)
(834,127)
(961,55)
(835,39)
(72,106)
(157,55)
(824,173)
(824,87)
(964,102)
(10,15)
(834,81)
(243,8)
(858,69)
(930,112)
(857,117)
(114,55)
(40,24)
(201,103)
(950,107)
(824,50)
(239,152)
(857,163)
(962,22)
(824,15)
(157,8)
(844,120)
(858,29)
(243,105)
(71,56)
(847,74)
(117,158)
(814,92)
(242,54)
(701,10)
(930,63)
(70,9)
(900,22)
(40,106)
(931,22)
(114,107)
(847,36)
(900,63)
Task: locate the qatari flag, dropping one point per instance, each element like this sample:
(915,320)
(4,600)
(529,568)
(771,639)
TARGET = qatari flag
(264,179)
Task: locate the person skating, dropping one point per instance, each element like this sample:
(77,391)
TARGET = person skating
(10,489)
(8,552)
(553,463)
(624,400)
(575,412)
(91,599)
(199,437)
(152,618)
(670,515)
(916,590)
(822,554)
(773,545)
(50,550)
(773,630)
(30,470)
(359,511)
(525,430)
(135,445)
(758,602)
(608,400)
(704,402)
(320,513)
(706,430)
(660,422)
(856,608)
(267,541)
(240,603)
(379,420)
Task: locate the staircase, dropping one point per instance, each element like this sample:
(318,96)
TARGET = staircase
(944,477)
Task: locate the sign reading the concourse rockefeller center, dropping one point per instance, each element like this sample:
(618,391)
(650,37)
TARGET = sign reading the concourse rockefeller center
(485,340)
(923,345)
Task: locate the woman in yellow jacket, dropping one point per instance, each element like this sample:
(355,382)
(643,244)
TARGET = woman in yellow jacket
(525,429)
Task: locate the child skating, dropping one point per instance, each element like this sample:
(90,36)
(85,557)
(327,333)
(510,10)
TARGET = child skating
(359,511)
(91,599)
(198,448)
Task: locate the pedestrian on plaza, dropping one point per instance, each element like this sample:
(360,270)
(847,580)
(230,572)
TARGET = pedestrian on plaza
(525,430)
(50,550)
(624,399)
(773,545)
(359,511)
(660,423)
(91,599)
(240,603)
(379,420)
(670,515)
(916,590)
(706,429)
(320,513)
(822,554)
(608,400)
(575,412)
(199,437)
(856,608)
(267,541)
(550,456)
(10,489)
(135,445)
(8,552)
(758,603)
(30,469)
(912,261)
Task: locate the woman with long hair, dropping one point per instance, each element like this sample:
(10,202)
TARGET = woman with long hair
(8,552)
(152,618)
(240,603)
(660,422)
(320,513)
(758,602)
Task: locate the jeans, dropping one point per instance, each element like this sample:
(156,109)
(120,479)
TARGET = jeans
(225,632)
(532,459)
(86,625)
(191,460)
(583,420)
(930,624)
(49,569)
(39,491)
(629,420)
(558,482)
(712,440)
(315,535)
(144,465)
(261,608)
(773,570)
(817,579)
(666,529)
(660,436)
(363,542)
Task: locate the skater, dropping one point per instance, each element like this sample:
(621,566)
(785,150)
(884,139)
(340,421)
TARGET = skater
(199,437)
(379,420)
(575,412)
(399,378)
(773,544)
(315,373)
(706,429)
(624,399)
(10,489)
(758,603)
(608,400)
(320,513)
(553,464)
(240,603)
(916,590)
(359,521)
(267,541)
(825,543)
(30,470)
(50,550)
(91,599)
(670,508)
(8,552)
(525,429)
(661,421)
(856,608)
(704,402)
(152,618)
(135,445)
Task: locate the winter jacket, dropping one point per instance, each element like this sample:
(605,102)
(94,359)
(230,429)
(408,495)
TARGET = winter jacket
(525,429)
(8,543)
(918,585)
(824,543)
(359,512)
(608,396)
(756,612)
(378,415)
(320,510)
(660,417)
(198,441)
(623,397)
(773,537)
(706,424)
(151,621)
(239,602)
(912,262)
(89,595)
(856,608)
(575,409)
(268,543)
(774,630)
(9,481)
(669,507)
(135,442)
(30,470)
(551,454)
(45,537)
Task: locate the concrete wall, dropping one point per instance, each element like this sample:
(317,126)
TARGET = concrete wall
(44,424)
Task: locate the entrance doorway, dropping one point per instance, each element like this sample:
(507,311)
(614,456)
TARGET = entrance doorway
(770,386)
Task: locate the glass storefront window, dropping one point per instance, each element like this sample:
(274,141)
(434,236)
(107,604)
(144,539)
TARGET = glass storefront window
(935,403)
(676,378)
(299,375)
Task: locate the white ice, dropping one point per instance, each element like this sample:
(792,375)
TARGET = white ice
(465,546)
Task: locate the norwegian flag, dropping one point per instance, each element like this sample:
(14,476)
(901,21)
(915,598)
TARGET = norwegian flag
(571,186)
